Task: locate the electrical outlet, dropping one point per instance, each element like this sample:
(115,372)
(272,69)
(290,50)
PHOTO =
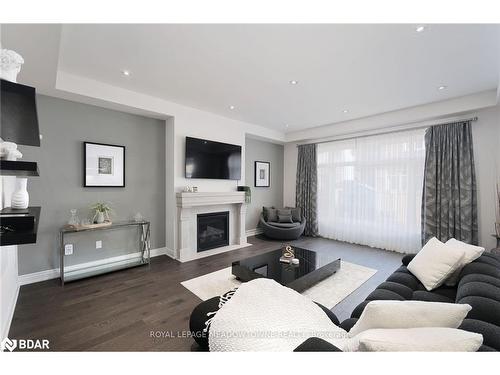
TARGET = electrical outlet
(98,244)
(68,249)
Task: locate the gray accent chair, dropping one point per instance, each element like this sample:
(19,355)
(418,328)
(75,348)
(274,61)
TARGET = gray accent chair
(282,231)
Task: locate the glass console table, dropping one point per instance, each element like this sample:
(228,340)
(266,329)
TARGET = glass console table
(142,259)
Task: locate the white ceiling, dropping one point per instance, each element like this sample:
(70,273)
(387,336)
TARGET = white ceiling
(367,69)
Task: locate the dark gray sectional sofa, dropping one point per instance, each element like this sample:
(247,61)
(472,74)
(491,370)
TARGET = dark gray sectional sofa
(478,286)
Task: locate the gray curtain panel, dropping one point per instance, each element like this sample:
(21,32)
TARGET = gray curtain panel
(449,199)
(306,189)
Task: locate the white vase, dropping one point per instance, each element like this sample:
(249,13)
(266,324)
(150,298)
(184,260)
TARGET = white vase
(20,199)
(100,218)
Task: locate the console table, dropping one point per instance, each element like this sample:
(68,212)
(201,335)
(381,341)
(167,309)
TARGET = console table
(142,259)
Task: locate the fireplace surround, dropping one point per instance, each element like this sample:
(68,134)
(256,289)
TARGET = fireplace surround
(190,205)
(213,230)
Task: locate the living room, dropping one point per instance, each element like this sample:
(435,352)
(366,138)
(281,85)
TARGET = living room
(250,187)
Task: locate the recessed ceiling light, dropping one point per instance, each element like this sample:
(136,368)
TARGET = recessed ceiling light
(293,82)
(442,87)
(286,125)
(345,111)
(232,107)
(126,72)
(419,29)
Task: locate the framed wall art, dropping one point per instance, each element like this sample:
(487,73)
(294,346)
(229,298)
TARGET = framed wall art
(262,173)
(104,165)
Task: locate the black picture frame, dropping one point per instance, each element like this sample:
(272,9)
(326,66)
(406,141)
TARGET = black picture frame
(85,166)
(257,182)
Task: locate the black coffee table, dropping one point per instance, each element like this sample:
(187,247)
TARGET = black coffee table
(312,268)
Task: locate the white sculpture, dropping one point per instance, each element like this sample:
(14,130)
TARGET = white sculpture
(10,66)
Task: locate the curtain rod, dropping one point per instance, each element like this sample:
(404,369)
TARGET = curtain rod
(392,129)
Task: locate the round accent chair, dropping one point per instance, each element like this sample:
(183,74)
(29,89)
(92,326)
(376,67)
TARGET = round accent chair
(282,231)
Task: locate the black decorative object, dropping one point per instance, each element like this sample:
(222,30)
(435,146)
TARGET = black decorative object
(262,174)
(104,165)
(19,226)
(18,168)
(18,113)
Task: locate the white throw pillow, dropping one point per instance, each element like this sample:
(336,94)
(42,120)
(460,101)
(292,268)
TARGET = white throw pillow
(427,339)
(435,263)
(471,253)
(409,314)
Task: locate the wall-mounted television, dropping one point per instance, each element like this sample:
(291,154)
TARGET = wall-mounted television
(215,160)
(18,115)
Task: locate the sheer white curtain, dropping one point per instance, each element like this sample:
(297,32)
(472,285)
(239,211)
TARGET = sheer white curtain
(370,190)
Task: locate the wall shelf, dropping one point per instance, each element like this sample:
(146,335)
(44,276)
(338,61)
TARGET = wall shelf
(18,168)
(20,236)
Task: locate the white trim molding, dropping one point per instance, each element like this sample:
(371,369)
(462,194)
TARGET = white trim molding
(10,315)
(254,232)
(36,277)
(190,205)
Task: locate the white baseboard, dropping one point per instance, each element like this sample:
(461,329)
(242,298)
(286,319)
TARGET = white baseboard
(253,232)
(170,253)
(218,250)
(36,277)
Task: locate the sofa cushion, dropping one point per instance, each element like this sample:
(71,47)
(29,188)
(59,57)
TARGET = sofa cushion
(283,225)
(490,332)
(285,219)
(284,211)
(471,253)
(481,268)
(407,279)
(348,324)
(296,214)
(485,309)
(400,289)
(265,212)
(435,263)
(424,295)
(426,339)
(315,344)
(478,289)
(409,314)
(384,294)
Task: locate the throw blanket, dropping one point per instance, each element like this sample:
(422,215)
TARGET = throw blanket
(263,315)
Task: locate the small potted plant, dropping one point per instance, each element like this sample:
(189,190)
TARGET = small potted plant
(101,212)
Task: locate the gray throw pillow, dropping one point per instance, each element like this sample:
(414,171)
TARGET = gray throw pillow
(296,215)
(272,215)
(284,211)
(285,219)
(265,211)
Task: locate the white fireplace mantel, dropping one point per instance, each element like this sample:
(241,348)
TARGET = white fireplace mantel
(189,205)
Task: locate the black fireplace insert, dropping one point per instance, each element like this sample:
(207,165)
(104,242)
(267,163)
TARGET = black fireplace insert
(213,230)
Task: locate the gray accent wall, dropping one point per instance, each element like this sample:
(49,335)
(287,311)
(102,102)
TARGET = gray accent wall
(65,125)
(257,150)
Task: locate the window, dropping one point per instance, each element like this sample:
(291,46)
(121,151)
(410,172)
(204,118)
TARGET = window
(370,190)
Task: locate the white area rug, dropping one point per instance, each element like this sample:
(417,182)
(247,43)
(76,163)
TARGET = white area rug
(328,292)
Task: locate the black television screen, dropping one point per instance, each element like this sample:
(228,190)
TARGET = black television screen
(209,159)
(18,115)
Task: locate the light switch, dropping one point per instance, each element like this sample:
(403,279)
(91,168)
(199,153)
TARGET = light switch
(68,249)
(98,244)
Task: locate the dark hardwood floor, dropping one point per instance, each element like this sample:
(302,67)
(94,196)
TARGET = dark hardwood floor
(121,310)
